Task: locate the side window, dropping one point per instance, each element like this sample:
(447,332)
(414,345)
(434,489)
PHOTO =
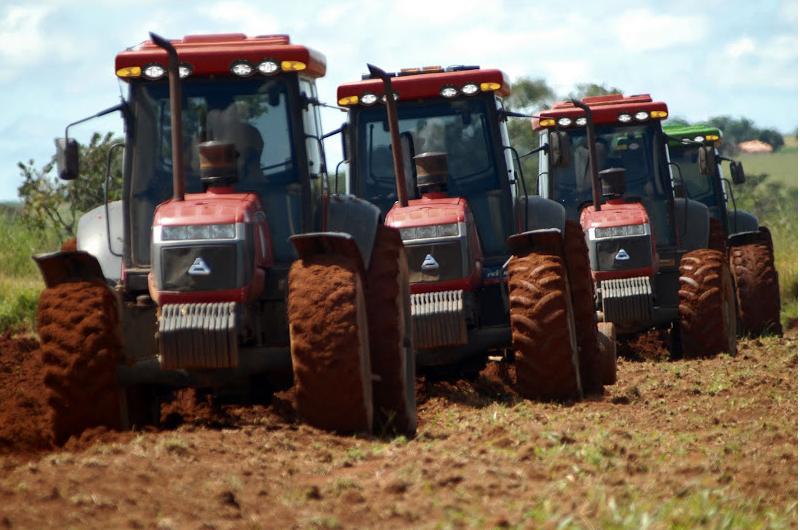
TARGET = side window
(312,129)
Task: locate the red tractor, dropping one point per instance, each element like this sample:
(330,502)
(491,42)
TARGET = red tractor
(492,268)
(227,266)
(649,247)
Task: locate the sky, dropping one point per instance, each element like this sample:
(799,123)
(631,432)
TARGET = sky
(704,59)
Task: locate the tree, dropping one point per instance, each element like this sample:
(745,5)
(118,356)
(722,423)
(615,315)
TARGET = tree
(583,90)
(53,205)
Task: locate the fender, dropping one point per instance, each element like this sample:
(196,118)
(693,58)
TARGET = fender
(93,237)
(693,224)
(740,221)
(337,243)
(539,213)
(544,240)
(63,267)
(358,218)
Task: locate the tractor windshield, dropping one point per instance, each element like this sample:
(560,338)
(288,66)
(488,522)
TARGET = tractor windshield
(698,187)
(638,149)
(462,129)
(253,114)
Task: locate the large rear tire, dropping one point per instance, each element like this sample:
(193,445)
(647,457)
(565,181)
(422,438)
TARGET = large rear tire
(542,328)
(78,326)
(330,344)
(390,335)
(757,290)
(582,291)
(706,304)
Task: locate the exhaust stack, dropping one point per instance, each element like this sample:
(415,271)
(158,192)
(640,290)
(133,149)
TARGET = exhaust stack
(590,140)
(394,133)
(175,115)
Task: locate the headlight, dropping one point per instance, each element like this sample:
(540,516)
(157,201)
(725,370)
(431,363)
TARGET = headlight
(580,121)
(184,70)
(699,139)
(619,231)
(564,122)
(641,115)
(242,68)
(449,92)
(153,71)
(430,231)
(369,99)
(624,118)
(469,89)
(268,67)
(188,232)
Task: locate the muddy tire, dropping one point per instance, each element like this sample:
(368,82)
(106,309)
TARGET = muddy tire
(330,344)
(607,341)
(582,291)
(390,336)
(757,289)
(78,327)
(706,304)
(542,328)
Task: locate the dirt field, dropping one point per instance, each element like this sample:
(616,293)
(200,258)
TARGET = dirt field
(686,444)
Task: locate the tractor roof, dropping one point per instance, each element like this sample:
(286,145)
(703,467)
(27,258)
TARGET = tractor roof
(696,133)
(428,82)
(605,109)
(217,54)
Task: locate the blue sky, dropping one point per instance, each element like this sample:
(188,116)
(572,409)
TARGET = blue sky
(703,58)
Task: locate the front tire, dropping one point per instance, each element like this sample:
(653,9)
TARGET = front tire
(390,335)
(542,328)
(706,304)
(330,344)
(78,327)
(757,289)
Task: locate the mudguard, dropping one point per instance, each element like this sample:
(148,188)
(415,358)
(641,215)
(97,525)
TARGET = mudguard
(692,220)
(740,222)
(539,213)
(93,237)
(358,218)
(548,240)
(62,267)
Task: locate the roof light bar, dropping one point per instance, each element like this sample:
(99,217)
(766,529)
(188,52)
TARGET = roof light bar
(268,67)
(624,118)
(153,71)
(368,98)
(470,89)
(490,86)
(130,71)
(348,101)
(641,115)
(659,114)
(547,122)
(242,69)
(449,92)
(564,122)
(293,66)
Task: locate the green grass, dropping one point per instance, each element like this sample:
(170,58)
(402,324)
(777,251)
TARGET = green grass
(20,282)
(781,166)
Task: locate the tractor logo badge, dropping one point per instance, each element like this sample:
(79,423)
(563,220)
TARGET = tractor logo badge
(429,264)
(199,268)
(622,255)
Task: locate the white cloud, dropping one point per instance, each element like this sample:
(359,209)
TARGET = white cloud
(740,47)
(643,30)
(244,17)
(22,37)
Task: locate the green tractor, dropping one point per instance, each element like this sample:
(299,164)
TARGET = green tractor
(736,232)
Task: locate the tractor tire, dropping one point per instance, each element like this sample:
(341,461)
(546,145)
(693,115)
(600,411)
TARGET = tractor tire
(542,328)
(329,339)
(707,306)
(607,335)
(78,326)
(757,290)
(581,286)
(390,335)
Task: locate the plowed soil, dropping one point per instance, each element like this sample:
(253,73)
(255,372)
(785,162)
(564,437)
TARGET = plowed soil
(691,443)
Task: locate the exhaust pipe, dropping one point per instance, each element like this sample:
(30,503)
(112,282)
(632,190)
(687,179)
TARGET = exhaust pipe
(394,133)
(175,115)
(590,139)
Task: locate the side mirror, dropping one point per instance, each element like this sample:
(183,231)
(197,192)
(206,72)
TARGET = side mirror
(707,161)
(345,141)
(67,158)
(560,149)
(737,172)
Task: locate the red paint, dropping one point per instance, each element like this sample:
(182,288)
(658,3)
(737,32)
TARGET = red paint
(245,294)
(438,208)
(428,211)
(618,212)
(421,86)
(605,109)
(214,54)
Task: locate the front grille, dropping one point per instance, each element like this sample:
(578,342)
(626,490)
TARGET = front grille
(609,254)
(443,261)
(220,261)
